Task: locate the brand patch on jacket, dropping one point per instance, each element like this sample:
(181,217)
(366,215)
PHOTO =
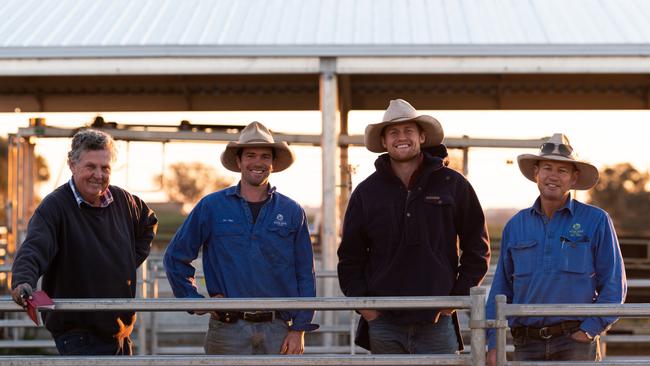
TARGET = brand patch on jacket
(279,220)
(432,199)
(227,220)
(576,230)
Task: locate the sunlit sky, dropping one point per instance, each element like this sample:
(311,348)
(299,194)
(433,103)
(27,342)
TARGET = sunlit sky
(602,137)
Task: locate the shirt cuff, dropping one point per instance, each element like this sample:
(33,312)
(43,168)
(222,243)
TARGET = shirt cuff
(309,327)
(591,326)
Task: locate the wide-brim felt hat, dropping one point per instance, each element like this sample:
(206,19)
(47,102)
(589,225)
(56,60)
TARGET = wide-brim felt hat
(588,173)
(257,135)
(400,111)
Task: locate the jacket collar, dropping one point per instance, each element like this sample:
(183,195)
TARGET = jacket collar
(429,164)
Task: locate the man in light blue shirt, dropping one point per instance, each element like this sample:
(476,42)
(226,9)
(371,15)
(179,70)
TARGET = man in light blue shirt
(255,243)
(558,251)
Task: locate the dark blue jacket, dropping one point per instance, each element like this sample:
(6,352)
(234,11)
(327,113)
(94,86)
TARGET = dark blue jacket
(400,242)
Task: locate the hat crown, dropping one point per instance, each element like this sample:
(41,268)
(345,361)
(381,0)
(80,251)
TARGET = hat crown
(559,139)
(399,109)
(255,132)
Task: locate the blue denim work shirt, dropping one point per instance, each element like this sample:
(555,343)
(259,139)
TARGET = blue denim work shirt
(269,258)
(573,258)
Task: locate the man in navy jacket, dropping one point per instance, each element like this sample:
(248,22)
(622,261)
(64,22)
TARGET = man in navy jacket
(403,233)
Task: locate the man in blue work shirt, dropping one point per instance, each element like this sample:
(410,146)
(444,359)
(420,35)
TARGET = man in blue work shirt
(255,243)
(558,251)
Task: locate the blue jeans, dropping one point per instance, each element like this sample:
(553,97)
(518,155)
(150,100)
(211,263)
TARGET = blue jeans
(245,338)
(388,337)
(85,343)
(561,348)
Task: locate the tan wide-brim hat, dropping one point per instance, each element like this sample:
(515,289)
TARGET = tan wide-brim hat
(559,149)
(400,111)
(257,135)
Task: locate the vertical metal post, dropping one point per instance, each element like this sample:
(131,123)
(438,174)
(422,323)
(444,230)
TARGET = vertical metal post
(465,161)
(142,326)
(502,327)
(12,198)
(477,316)
(154,321)
(329,209)
(353,324)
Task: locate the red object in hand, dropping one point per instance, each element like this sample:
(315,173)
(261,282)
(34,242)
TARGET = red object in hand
(38,300)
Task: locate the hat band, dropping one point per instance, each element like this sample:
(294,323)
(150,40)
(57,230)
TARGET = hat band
(257,140)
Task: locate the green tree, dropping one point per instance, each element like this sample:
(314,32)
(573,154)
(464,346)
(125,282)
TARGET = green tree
(624,193)
(188,182)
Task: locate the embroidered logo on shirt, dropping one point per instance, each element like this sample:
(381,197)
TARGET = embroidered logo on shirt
(576,230)
(279,220)
(227,220)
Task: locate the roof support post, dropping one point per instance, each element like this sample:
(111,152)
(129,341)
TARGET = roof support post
(329,106)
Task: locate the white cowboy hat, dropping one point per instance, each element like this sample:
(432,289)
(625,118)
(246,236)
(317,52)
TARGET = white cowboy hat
(558,148)
(400,111)
(257,135)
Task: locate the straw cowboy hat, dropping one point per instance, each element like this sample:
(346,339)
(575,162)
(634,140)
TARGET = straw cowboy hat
(558,148)
(256,135)
(400,111)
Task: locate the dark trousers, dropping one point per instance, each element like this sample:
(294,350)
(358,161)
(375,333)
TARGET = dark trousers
(84,343)
(560,348)
(388,337)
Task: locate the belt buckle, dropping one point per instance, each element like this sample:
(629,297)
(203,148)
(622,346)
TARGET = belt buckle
(543,334)
(253,316)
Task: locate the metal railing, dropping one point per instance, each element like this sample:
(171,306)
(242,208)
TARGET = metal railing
(505,310)
(475,302)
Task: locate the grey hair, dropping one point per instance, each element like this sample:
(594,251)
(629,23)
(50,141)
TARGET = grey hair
(85,140)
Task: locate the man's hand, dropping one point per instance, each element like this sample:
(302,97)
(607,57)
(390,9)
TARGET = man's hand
(294,343)
(445,312)
(492,357)
(580,336)
(370,315)
(212,312)
(21,293)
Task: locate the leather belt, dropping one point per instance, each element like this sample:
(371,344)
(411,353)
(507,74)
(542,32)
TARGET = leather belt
(548,332)
(249,316)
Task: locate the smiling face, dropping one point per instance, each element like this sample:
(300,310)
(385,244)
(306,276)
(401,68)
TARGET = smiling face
(555,179)
(91,174)
(402,141)
(255,164)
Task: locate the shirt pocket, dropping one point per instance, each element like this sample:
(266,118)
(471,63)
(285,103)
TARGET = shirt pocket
(230,236)
(523,257)
(437,210)
(278,248)
(577,255)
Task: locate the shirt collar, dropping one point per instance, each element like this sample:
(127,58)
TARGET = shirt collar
(104,200)
(236,190)
(568,206)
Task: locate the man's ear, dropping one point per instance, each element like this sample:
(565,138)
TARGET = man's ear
(574,177)
(238,161)
(383,142)
(423,137)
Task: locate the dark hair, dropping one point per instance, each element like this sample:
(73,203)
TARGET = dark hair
(85,140)
(240,151)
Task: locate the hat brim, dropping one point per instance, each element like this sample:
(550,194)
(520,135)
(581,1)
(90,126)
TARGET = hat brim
(284,157)
(587,178)
(431,127)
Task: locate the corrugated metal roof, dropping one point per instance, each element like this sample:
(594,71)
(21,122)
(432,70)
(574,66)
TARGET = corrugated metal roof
(88,28)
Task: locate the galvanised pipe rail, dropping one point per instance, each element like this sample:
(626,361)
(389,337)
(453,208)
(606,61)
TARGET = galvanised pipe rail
(385,360)
(251,304)
(505,310)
